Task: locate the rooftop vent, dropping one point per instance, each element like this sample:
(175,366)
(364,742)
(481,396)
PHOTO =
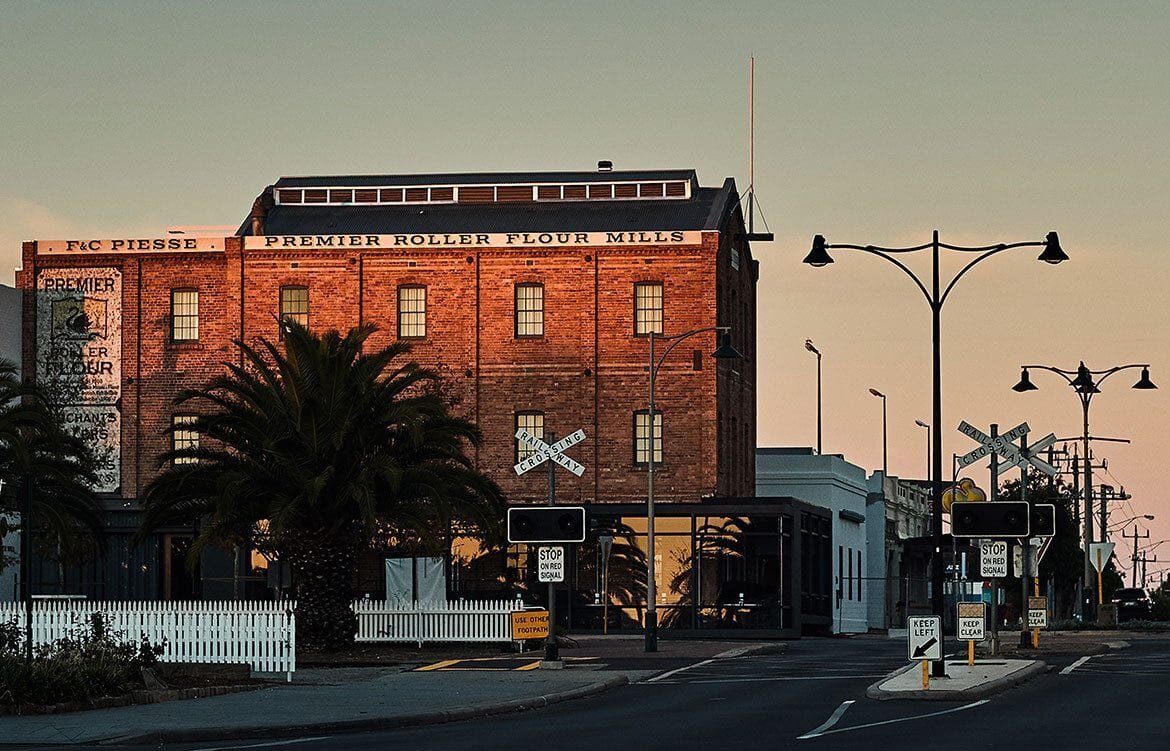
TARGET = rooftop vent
(605,166)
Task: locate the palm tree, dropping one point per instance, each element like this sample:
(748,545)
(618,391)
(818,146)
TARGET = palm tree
(315,444)
(36,449)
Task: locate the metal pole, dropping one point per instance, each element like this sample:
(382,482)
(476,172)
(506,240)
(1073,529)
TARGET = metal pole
(937,606)
(819,452)
(1090,610)
(651,594)
(26,565)
(1026,559)
(994,582)
(551,653)
(885,457)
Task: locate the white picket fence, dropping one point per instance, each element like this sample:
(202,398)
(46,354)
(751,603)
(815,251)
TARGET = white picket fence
(261,634)
(447,621)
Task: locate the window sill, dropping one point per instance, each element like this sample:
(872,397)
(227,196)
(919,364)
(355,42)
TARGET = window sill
(192,345)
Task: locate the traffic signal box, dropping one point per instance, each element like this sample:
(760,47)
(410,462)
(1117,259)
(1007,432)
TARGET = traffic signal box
(990,519)
(546,524)
(1043,520)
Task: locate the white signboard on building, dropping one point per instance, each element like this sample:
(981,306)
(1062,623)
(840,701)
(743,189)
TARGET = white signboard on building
(79,358)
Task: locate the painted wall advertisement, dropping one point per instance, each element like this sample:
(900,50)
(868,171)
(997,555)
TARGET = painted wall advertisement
(79,359)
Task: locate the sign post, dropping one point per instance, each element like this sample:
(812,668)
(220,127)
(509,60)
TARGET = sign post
(1037,617)
(1099,555)
(971,620)
(550,452)
(924,642)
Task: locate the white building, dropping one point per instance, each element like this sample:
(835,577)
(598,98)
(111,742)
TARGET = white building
(829,481)
(896,510)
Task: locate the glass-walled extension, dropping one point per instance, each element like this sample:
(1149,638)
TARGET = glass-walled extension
(762,565)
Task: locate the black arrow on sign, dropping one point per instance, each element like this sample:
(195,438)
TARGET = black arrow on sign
(922,648)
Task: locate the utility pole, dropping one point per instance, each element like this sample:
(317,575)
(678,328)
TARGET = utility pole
(1135,537)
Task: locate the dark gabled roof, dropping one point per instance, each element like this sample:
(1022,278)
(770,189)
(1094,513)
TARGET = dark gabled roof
(480,178)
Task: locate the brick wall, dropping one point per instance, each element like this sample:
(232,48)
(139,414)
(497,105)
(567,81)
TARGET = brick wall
(587,371)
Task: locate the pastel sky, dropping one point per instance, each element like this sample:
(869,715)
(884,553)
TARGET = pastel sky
(875,124)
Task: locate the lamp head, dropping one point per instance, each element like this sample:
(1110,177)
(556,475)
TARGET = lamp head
(1025,383)
(725,351)
(1053,253)
(877,393)
(921,424)
(808,344)
(818,256)
(1084,381)
(1144,382)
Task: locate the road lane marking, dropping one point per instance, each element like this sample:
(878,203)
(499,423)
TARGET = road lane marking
(669,673)
(1076,664)
(771,678)
(833,718)
(896,720)
(269,744)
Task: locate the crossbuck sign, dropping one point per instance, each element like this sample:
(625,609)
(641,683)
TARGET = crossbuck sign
(542,452)
(1004,446)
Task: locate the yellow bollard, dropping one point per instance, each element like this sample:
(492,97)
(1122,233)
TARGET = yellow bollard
(925,675)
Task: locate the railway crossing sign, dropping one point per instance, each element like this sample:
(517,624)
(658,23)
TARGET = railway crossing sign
(542,452)
(924,637)
(1003,445)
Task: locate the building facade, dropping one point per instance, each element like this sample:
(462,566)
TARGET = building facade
(533,294)
(828,481)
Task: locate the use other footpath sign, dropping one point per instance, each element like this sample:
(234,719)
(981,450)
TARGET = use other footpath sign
(924,637)
(993,559)
(550,563)
(529,624)
(971,621)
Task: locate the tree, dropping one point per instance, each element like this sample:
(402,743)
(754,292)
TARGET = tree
(34,446)
(314,445)
(1064,561)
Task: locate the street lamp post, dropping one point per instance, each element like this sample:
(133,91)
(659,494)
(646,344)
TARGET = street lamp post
(819,256)
(929,445)
(723,351)
(808,344)
(885,456)
(1085,383)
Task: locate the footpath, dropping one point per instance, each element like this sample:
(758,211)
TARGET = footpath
(451,683)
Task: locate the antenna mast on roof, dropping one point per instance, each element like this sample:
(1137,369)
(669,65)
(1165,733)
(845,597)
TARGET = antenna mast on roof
(751,189)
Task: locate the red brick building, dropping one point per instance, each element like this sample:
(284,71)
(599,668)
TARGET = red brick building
(532,293)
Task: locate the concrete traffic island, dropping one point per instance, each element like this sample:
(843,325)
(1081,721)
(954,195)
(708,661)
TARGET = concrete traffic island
(962,682)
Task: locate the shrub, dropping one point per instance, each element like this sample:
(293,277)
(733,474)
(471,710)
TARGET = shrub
(89,662)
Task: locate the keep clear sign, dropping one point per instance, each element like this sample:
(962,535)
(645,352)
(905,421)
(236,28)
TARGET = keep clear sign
(79,358)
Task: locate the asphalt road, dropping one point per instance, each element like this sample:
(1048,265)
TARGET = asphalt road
(813,697)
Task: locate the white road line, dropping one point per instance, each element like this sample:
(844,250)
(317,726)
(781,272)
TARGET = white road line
(669,673)
(833,718)
(265,745)
(1076,664)
(891,722)
(782,678)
